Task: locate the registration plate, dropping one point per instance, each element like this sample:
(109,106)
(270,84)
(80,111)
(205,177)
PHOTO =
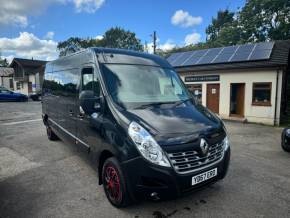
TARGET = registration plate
(204,176)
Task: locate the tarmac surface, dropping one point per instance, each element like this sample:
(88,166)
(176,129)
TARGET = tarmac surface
(40,178)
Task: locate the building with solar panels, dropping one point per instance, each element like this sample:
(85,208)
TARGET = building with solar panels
(246,82)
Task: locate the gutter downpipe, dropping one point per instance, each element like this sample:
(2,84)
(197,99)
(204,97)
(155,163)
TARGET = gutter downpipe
(276,98)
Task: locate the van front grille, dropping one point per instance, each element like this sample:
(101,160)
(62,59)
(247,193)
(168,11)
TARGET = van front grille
(190,161)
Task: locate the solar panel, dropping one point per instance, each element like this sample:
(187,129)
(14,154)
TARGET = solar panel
(174,61)
(222,58)
(245,48)
(172,57)
(239,53)
(207,59)
(200,53)
(230,49)
(191,61)
(261,54)
(214,51)
(264,45)
(182,58)
(240,56)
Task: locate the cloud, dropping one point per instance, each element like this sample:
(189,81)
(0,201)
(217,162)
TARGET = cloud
(192,38)
(27,45)
(49,35)
(168,45)
(99,37)
(88,6)
(16,12)
(9,58)
(184,19)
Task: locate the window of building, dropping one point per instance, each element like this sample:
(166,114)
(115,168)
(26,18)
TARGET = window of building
(196,90)
(262,94)
(18,85)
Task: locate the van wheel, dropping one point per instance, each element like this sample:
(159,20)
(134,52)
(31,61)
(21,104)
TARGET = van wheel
(284,142)
(285,147)
(50,134)
(114,183)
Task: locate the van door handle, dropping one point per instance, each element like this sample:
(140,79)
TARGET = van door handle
(71,113)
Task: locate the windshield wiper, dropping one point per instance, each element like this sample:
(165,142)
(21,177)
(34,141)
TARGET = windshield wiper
(181,102)
(143,106)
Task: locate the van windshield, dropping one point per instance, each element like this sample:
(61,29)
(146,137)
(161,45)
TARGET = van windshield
(132,86)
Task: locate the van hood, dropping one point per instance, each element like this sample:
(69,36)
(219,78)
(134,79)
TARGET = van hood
(185,119)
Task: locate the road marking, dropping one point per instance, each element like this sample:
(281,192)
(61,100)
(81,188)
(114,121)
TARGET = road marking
(19,122)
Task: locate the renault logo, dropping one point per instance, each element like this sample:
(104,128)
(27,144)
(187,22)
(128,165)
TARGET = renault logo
(203,147)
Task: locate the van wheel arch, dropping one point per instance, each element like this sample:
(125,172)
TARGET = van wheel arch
(103,157)
(45,119)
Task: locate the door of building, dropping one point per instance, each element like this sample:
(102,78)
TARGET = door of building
(29,87)
(213,97)
(237,105)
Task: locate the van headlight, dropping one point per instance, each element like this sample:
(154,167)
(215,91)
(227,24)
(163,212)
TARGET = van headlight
(288,132)
(147,146)
(226,143)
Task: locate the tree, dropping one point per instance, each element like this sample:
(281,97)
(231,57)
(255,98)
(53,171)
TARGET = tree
(113,38)
(119,38)
(3,62)
(264,20)
(257,21)
(224,17)
(229,34)
(75,43)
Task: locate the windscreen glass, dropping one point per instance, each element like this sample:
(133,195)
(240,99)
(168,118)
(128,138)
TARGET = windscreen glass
(134,85)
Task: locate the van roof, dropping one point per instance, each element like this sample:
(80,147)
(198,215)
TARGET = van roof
(123,56)
(108,56)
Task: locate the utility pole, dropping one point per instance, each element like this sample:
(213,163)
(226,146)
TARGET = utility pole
(154,42)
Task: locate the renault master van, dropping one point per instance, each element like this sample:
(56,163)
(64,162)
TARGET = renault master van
(143,130)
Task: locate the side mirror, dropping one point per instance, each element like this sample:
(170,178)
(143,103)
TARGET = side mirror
(89,102)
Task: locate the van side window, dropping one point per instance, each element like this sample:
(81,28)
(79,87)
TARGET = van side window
(89,82)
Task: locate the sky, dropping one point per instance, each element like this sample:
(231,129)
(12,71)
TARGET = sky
(32,28)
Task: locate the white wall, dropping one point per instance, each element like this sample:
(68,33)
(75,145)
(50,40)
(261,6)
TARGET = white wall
(253,113)
(5,81)
(24,90)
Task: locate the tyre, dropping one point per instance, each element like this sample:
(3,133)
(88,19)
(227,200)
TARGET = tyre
(114,183)
(50,134)
(285,143)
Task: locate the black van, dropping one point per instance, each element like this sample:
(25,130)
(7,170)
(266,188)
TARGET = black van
(143,130)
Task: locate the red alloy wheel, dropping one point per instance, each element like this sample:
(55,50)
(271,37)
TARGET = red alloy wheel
(112,184)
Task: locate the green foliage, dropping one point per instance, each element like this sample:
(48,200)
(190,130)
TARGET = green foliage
(224,18)
(257,21)
(120,38)
(76,43)
(113,38)
(3,62)
(263,20)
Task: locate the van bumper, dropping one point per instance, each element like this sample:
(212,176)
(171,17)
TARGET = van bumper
(143,179)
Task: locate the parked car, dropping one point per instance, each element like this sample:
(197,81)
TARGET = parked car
(35,96)
(142,129)
(8,95)
(285,142)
